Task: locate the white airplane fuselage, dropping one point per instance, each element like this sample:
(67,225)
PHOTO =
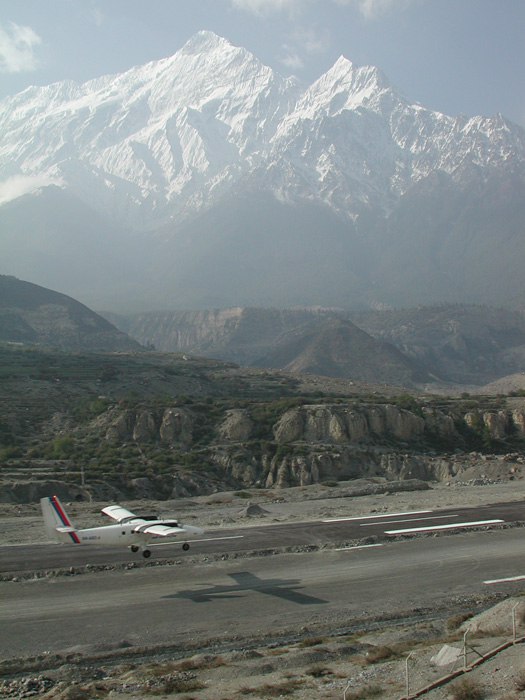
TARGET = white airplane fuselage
(122,534)
(135,532)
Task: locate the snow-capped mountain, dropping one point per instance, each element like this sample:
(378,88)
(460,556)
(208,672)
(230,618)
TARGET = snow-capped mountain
(217,154)
(158,140)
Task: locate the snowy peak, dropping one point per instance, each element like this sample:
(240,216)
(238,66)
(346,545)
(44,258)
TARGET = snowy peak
(205,41)
(168,139)
(257,190)
(345,86)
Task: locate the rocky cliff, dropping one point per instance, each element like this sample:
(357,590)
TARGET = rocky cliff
(315,443)
(155,425)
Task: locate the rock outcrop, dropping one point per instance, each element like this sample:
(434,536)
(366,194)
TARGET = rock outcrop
(336,423)
(237,426)
(172,425)
(497,424)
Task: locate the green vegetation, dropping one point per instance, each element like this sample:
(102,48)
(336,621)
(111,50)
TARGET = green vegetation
(409,403)
(100,415)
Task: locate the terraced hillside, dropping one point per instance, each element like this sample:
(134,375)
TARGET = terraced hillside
(159,425)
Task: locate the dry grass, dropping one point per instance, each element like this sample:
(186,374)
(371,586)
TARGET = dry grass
(178,685)
(311,641)
(467,689)
(455,622)
(319,670)
(196,664)
(273,690)
(520,680)
(371,690)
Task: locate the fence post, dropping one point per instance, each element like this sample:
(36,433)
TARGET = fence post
(407,675)
(514,623)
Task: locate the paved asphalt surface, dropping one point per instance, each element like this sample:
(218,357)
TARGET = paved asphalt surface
(204,600)
(255,537)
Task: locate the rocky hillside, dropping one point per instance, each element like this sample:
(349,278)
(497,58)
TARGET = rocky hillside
(162,425)
(335,347)
(33,314)
(454,343)
(464,344)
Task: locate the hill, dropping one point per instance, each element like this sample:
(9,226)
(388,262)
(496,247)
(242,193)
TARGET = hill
(33,314)
(460,343)
(159,425)
(447,344)
(315,341)
(335,347)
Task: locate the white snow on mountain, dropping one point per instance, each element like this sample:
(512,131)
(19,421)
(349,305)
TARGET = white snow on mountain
(168,139)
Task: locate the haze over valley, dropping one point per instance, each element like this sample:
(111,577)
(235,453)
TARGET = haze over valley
(207,180)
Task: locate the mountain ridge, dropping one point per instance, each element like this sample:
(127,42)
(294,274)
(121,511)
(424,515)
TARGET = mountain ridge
(227,86)
(32,314)
(447,345)
(209,155)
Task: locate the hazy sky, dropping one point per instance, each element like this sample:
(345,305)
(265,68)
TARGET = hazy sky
(451,55)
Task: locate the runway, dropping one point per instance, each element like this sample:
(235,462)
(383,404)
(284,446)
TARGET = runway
(260,536)
(196,602)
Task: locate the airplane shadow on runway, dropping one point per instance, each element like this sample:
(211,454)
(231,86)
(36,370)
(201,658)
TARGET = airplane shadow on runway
(245,581)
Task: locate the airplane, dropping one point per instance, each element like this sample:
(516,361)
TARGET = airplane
(133,531)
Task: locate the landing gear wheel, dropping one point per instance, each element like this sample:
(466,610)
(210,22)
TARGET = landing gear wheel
(134,548)
(146,554)
(185,546)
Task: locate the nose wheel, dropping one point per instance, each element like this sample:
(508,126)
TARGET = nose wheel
(185,546)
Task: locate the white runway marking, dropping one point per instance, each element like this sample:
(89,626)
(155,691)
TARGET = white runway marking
(215,539)
(410,520)
(29,544)
(208,539)
(371,517)
(442,527)
(505,580)
(359,546)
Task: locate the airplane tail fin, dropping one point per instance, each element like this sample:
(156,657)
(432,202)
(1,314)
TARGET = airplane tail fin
(56,521)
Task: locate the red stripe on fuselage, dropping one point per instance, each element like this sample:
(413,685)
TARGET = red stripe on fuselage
(63,517)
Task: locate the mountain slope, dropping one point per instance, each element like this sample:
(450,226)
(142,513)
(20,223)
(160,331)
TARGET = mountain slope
(33,314)
(459,344)
(314,341)
(133,143)
(235,186)
(335,347)
(463,344)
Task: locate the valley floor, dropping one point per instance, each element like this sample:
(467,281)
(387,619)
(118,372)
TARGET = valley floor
(22,523)
(313,664)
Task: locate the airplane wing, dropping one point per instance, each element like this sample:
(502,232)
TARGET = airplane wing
(161,530)
(118,513)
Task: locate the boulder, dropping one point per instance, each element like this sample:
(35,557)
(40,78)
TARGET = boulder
(177,426)
(145,427)
(237,426)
